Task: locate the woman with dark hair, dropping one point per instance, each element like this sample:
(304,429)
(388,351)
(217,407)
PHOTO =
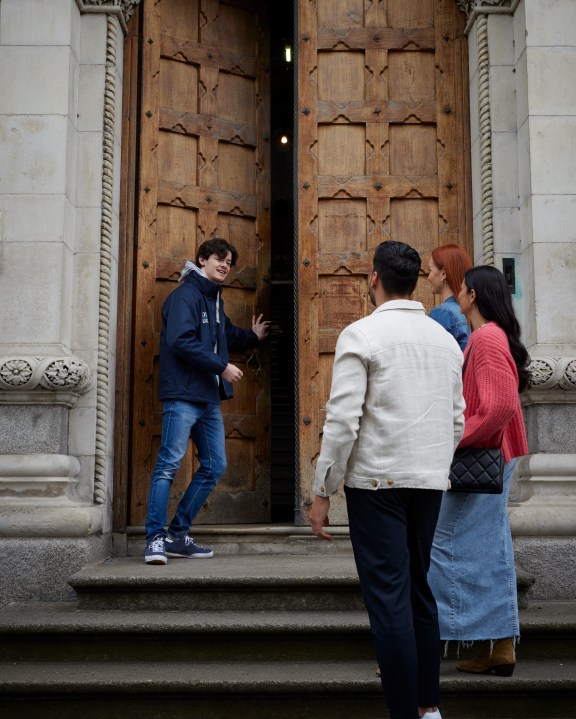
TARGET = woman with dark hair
(446,269)
(472,566)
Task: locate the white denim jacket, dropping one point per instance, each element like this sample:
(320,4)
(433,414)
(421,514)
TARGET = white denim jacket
(396,411)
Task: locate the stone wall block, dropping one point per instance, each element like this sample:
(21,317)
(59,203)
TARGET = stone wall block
(32,154)
(89,170)
(524,164)
(504,169)
(553,149)
(554,218)
(550,22)
(39,569)
(503,99)
(31,280)
(86,284)
(93,40)
(506,228)
(555,268)
(521,91)
(501,39)
(36,22)
(91,98)
(37,218)
(43,91)
(33,428)
(551,72)
(82,430)
(88,229)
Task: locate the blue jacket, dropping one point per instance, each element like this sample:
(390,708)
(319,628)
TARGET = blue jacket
(189,368)
(450,316)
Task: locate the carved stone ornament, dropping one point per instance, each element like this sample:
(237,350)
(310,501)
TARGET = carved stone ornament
(467,6)
(126,6)
(56,374)
(553,373)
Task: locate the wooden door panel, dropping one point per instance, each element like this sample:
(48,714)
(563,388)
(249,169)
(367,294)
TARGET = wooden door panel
(204,171)
(383,154)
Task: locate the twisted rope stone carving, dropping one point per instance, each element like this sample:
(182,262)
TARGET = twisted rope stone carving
(45,373)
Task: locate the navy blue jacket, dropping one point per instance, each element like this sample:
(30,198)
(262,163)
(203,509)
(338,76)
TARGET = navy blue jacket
(189,367)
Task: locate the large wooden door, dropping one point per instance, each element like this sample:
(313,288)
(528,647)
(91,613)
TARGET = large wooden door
(204,172)
(383,153)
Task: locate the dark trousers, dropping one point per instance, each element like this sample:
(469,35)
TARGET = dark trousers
(391,532)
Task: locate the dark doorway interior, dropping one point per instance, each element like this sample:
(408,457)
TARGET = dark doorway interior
(282,268)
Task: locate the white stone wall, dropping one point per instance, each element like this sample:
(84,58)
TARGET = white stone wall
(52,89)
(545,61)
(39,58)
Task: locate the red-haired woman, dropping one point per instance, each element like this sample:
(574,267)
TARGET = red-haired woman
(446,269)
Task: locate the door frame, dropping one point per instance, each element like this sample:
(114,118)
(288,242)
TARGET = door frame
(127,235)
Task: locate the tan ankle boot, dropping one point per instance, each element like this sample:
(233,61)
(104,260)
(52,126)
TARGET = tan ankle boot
(501,662)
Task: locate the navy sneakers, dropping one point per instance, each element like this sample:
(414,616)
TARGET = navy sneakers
(185,547)
(154,553)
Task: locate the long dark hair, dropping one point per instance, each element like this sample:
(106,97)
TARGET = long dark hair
(495,305)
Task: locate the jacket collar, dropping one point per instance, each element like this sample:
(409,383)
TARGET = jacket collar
(401,305)
(199,279)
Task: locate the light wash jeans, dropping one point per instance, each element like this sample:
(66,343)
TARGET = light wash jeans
(180,421)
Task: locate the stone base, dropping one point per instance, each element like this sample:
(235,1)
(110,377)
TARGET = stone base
(551,561)
(39,569)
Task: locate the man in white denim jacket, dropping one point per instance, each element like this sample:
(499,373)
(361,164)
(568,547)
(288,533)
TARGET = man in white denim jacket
(394,418)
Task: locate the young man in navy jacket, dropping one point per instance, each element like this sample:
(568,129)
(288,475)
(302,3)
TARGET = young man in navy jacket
(195,376)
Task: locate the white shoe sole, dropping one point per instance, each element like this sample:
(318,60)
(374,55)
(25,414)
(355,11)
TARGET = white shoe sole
(156,559)
(207,555)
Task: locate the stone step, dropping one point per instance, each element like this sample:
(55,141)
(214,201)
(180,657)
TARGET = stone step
(223,583)
(259,581)
(278,539)
(60,632)
(261,690)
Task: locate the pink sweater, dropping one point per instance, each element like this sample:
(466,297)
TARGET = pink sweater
(491,394)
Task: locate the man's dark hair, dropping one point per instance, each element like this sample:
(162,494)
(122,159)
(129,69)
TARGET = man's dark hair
(216,246)
(398,266)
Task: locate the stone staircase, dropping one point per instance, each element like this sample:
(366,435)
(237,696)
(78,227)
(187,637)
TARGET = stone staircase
(254,636)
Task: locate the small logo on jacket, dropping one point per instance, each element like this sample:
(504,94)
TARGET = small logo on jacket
(204,318)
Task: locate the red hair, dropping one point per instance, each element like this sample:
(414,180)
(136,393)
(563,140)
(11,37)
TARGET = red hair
(455,262)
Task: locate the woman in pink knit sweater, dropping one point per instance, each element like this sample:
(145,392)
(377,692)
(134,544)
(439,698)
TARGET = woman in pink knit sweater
(472,565)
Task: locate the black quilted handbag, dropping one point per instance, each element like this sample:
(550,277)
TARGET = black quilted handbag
(477,470)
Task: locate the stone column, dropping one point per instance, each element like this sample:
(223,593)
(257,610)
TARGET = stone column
(523,108)
(60,130)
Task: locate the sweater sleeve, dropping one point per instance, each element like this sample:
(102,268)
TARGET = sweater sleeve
(490,388)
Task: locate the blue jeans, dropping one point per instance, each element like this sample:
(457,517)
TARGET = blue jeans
(180,421)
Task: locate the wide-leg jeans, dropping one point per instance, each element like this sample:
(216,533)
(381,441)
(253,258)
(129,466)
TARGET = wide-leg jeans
(391,532)
(180,421)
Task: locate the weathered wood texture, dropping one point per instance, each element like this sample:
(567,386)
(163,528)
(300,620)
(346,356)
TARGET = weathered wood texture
(383,153)
(204,172)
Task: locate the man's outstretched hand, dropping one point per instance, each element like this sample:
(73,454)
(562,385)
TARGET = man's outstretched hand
(260,327)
